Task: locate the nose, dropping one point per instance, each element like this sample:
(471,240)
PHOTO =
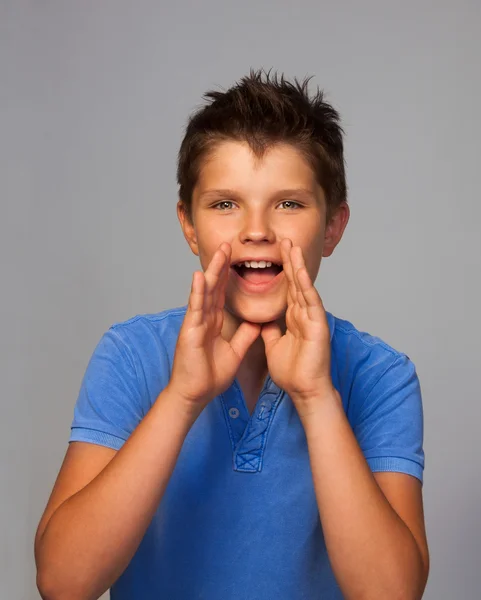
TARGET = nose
(256,228)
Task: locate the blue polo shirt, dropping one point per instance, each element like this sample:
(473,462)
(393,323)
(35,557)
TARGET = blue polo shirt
(239,518)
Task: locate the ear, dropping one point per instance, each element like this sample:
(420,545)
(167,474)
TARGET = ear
(187,227)
(335,229)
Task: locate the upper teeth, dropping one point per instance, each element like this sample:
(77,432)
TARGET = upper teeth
(254,264)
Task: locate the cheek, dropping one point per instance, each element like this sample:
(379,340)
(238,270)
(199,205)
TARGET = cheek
(207,247)
(308,233)
(208,240)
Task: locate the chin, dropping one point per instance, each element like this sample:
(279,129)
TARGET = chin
(259,310)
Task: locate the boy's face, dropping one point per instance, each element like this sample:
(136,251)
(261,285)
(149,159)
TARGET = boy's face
(253,204)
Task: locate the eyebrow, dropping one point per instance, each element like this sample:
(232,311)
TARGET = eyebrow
(299,192)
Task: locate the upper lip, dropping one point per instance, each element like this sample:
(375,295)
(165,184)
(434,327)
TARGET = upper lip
(274,261)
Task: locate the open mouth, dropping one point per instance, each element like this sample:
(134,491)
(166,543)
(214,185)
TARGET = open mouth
(259,273)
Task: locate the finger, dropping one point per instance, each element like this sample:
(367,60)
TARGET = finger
(271,333)
(195,308)
(290,299)
(287,267)
(225,250)
(244,337)
(212,277)
(218,299)
(220,290)
(315,308)
(221,285)
(217,261)
(298,263)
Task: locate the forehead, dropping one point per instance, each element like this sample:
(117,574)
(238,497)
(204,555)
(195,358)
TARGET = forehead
(233,165)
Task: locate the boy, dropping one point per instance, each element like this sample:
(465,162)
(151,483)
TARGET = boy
(249,445)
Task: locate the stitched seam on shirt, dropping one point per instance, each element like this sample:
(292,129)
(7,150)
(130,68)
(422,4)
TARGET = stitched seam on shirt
(380,377)
(248,461)
(268,427)
(130,358)
(385,457)
(126,348)
(226,417)
(106,433)
(171,313)
(368,344)
(164,315)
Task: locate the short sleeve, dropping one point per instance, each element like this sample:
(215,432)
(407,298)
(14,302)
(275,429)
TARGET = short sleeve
(108,406)
(389,427)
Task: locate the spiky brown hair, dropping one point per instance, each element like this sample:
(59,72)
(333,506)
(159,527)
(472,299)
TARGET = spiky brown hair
(263,110)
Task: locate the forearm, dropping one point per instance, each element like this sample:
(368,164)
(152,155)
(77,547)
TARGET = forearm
(92,536)
(372,552)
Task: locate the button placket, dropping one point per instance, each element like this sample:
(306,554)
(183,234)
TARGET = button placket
(248,432)
(236,416)
(249,451)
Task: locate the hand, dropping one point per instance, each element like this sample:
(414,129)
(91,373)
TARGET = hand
(299,361)
(204,363)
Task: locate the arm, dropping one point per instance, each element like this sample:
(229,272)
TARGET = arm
(376,544)
(103,502)
(373,525)
(86,538)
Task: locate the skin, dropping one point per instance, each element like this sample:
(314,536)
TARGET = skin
(253,219)
(373,523)
(103,501)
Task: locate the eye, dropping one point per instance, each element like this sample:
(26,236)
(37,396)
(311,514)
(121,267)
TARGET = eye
(290,204)
(222,205)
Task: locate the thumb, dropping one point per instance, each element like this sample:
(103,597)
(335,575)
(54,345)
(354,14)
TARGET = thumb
(244,337)
(271,333)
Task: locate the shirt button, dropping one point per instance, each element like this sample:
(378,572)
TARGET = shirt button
(233,412)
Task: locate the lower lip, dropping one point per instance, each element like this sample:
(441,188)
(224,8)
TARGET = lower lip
(257,288)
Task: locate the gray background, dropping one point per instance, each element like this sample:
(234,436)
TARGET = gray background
(93,100)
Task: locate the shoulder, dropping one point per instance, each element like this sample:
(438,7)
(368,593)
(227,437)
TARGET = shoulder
(143,331)
(352,345)
(168,319)
(381,395)
(131,364)
(364,363)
